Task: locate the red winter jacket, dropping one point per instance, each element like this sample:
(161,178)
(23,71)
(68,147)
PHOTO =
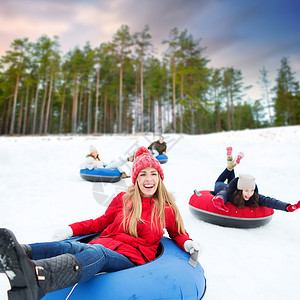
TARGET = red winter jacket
(139,249)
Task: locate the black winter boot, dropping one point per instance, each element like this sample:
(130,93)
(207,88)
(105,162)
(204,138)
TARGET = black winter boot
(57,272)
(27,249)
(31,280)
(17,267)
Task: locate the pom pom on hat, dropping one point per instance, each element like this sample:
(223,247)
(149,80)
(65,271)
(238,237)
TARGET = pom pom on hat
(246,182)
(93,149)
(143,159)
(140,151)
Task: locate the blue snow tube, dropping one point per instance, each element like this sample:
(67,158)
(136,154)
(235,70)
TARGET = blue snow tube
(169,276)
(100,175)
(162,158)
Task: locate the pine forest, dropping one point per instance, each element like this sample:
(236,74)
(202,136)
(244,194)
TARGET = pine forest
(124,86)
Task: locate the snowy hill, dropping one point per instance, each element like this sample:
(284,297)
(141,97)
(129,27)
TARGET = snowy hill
(41,190)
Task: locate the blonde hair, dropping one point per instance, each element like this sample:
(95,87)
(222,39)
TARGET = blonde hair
(90,155)
(132,209)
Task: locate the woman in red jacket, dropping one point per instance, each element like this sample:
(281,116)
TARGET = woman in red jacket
(131,229)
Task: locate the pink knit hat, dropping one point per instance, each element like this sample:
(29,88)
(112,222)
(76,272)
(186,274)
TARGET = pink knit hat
(143,159)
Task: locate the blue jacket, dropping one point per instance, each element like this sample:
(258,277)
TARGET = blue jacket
(227,195)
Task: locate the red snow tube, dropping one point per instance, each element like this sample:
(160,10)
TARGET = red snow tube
(202,207)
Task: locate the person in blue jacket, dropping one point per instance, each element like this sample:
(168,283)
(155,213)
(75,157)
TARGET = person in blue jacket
(242,191)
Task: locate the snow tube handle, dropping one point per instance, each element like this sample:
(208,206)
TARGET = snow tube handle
(194,258)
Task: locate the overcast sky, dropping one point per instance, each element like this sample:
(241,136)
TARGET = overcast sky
(245,35)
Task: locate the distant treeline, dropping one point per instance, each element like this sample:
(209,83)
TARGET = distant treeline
(121,87)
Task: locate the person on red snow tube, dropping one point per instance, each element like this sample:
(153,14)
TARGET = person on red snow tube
(131,229)
(242,191)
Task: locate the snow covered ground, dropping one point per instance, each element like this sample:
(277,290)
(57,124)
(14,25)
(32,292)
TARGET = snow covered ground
(41,190)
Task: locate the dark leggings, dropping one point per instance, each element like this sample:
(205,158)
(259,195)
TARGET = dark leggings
(220,182)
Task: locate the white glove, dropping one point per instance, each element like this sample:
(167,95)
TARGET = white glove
(62,233)
(191,246)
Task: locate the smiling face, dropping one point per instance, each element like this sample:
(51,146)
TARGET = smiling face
(147,181)
(247,194)
(94,154)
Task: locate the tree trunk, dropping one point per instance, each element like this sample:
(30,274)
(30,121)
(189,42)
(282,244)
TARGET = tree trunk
(12,123)
(74,108)
(49,126)
(25,122)
(85,110)
(89,117)
(160,127)
(125,117)
(268,103)
(228,113)
(48,104)
(35,106)
(142,94)
(112,122)
(62,109)
(3,120)
(121,92)
(168,100)
(181,98)
(20,114)
(217,110)
(232,110)
(105,110)
(192,117)
(174,96)
(137,104)
(43,105)
(97,101)
(81,116)
(150,124)
(68,122)
(8,115)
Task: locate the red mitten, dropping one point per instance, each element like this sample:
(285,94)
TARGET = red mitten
(219,204)
(293,207)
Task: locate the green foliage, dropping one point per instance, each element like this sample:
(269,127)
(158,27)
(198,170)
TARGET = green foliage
(286,101)
(111,88)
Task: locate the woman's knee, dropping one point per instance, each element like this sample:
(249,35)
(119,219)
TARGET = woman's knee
(95,250)
(72,247)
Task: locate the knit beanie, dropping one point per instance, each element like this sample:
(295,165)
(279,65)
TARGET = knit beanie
(143,159)
(93,149)
(246,182)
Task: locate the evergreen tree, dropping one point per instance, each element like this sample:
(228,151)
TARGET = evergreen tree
(233,84)
(44,92)
(216,86)
(76,62)
(142,40)
(15,62)
(265,83)
(121,41)
(172,54)
(287,98)
(258,113)
(244,117)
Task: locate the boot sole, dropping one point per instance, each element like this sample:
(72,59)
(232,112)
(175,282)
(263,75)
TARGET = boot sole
(14,263)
